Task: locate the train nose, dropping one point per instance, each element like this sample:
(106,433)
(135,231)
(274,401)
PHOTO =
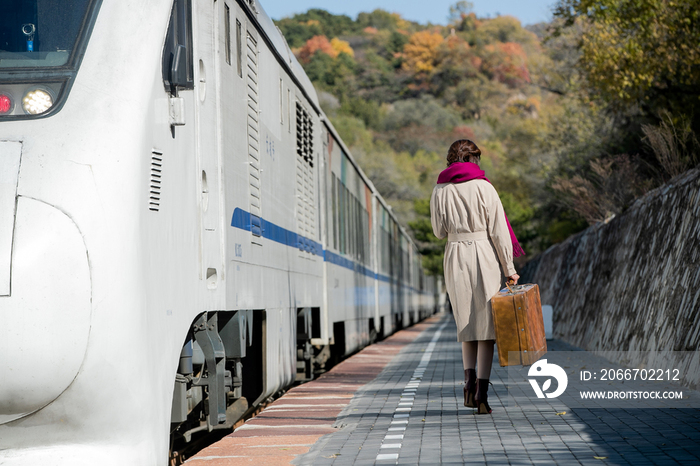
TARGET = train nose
(44,306)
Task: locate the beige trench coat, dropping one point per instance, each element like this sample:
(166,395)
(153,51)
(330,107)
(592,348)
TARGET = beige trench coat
(478,254)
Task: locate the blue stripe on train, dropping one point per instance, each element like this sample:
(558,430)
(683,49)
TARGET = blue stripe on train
(261,227)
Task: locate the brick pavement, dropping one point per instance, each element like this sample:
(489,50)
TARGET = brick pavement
(400,402)
(438,429)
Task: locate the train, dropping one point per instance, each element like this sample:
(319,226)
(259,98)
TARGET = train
(183,234)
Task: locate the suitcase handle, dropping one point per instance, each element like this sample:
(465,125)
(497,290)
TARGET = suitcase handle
(509,288)
(512,289)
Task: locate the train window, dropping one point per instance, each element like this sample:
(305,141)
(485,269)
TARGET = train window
(358,229)
(338,186)
(177,54)
(239,49)
(227,27)
(346,219)
(334,209)
(41,33)
(353,227)
(281,102)
(41,45)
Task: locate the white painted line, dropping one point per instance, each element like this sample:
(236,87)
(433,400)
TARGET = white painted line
(407,398)
(388,437)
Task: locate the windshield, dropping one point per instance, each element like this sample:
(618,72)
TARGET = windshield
(40,33)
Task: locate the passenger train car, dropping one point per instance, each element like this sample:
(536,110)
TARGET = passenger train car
(182,232)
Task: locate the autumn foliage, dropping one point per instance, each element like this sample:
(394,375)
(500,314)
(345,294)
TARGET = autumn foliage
(313,45)
(332,48)
(420,54)
(507,63)
(547,114)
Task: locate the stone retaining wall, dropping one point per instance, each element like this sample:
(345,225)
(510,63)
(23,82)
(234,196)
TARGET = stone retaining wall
(632,284)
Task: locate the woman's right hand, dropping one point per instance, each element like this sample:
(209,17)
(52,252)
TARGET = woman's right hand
(513,278)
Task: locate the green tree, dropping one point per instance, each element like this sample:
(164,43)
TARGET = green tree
(302,27)
(459,11)
(640,53)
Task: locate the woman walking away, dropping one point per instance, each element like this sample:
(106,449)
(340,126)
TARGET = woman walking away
(479,252)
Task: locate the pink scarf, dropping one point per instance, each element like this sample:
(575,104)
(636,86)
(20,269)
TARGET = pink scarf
(466,171)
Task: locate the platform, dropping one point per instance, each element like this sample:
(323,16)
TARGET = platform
(400,402)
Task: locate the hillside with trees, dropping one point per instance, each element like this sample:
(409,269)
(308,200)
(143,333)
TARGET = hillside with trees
(575,118)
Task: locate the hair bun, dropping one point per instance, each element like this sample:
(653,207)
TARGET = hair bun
(463,150)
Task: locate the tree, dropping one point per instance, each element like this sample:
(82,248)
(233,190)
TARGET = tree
(382,19)
(341,46)
(459,11)
(302,27)
(313,45)
(640,53)
(420,54)
(456,62)
(506,63)
(506,29)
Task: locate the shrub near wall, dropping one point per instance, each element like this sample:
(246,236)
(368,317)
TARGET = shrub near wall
(632,284)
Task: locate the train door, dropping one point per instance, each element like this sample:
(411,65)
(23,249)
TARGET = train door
(207,46)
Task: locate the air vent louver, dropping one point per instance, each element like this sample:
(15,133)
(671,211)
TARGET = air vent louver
(155,180)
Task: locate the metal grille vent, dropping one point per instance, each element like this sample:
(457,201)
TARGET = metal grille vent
(304,135)
(306,210)
(155,181)
(253,135)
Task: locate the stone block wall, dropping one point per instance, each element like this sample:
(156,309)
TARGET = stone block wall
(632,284)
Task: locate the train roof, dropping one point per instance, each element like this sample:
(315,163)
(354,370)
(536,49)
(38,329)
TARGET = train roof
(279,47)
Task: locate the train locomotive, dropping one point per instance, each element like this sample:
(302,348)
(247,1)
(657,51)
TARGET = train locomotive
(183,233)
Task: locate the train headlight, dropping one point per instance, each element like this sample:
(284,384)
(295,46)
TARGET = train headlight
(37,101)
(6,103)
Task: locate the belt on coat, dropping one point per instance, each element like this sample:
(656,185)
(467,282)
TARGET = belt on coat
(468,236)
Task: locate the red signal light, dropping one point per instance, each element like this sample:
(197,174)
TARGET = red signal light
(5,104)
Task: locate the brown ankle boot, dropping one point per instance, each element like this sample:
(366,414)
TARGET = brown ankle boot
(481,397)
(469,388)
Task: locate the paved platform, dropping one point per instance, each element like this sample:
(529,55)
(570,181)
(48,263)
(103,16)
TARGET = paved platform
(401,402)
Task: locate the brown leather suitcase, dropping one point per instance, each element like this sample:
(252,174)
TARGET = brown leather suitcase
(517,319)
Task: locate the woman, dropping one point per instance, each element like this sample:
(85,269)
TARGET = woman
(481,245)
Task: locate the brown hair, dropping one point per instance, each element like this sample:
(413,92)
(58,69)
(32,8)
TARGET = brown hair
(463,150)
